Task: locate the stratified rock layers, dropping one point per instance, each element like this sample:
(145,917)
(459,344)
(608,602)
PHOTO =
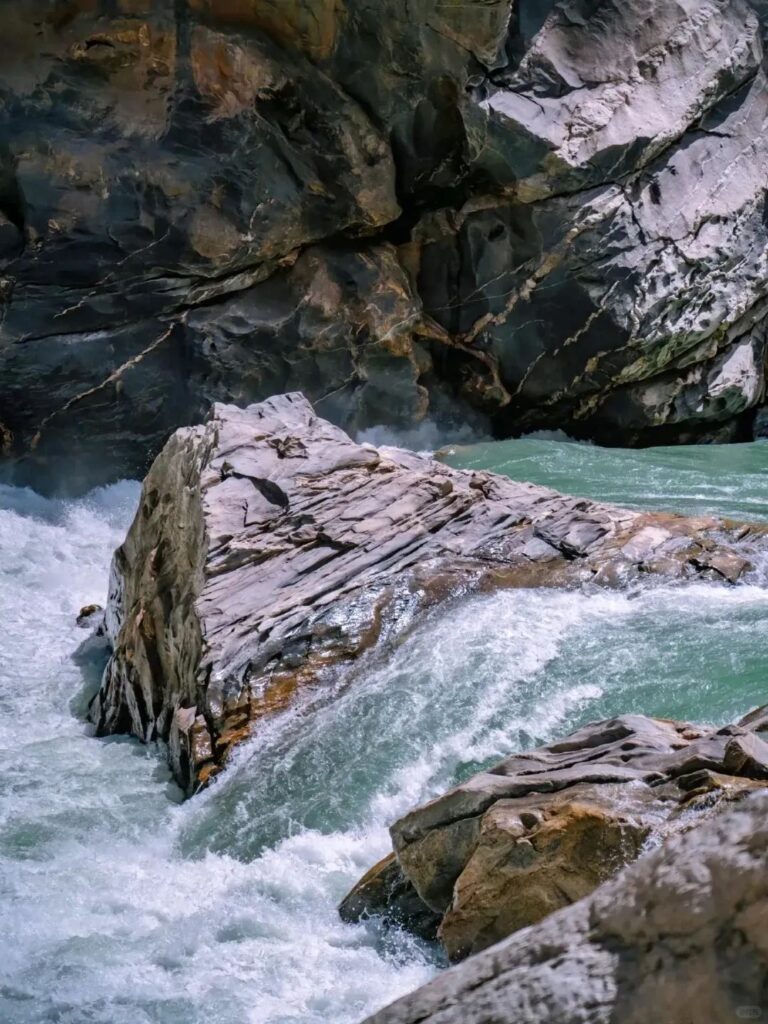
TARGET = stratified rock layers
(270,553)
(553,213)
(679,937)
(542,829)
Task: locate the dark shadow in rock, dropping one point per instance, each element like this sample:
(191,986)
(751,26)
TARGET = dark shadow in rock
(91,658)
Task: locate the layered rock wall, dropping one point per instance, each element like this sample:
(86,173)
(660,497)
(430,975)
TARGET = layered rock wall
(550,213)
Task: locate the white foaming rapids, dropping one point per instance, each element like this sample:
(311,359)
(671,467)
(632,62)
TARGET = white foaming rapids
(120,906)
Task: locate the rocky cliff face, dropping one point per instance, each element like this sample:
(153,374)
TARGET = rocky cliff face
(679,937)
(542,829)
(271,554)
(551,212)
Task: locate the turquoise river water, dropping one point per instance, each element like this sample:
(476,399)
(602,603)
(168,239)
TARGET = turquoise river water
(120,905)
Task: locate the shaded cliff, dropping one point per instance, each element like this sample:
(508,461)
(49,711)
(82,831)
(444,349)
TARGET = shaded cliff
(550,213)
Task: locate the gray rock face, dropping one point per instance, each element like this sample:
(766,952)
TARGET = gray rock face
(629,311)
(270,553)
(541,830)
(679,937)
(551,211)
(158,157)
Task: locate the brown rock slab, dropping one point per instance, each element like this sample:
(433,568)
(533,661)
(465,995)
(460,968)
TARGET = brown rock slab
(678,938)
(543,828)
(527,864)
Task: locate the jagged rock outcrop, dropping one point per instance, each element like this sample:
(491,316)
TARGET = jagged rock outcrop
(679,937)
(542,829)
(551,211)
(270,553)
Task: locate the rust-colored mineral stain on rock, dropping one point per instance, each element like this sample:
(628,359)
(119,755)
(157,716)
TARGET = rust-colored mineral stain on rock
(213,235)
(229,76)
(544,828)
(513,880)
(311,26)
(480,26)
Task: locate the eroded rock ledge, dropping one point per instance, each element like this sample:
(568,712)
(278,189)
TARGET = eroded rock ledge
(679,937)
(542,829)
(270,552)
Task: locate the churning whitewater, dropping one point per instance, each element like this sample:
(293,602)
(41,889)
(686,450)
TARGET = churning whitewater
(129,907)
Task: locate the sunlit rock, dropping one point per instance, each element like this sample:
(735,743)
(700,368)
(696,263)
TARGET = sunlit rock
(542,829)
(679,937)
(271,555)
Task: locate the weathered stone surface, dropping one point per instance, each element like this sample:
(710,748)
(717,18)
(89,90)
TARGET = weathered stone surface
(348,325)
(386,893)
(679,937)
(203,200)
(541,830)
(155,160)
(270,552)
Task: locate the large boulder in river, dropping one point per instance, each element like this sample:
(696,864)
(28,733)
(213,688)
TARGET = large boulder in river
(552,211)
(542,829)
(270,553)
(678,938)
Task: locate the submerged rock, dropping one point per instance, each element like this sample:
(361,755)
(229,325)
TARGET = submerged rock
(541,830)
(91,616)
(553,212)
(270,553)
(679,938)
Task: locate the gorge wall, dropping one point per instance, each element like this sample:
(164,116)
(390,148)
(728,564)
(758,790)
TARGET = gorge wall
(547,214)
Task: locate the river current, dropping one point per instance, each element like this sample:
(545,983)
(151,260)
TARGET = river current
(121,905)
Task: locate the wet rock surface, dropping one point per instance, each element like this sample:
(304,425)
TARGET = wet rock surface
(552,213)
(271,556)
(678,937)
(541,830)
(385,892)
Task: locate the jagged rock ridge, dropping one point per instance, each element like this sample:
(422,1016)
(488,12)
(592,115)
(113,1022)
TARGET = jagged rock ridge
(542,829)
(679,937)
(270,553)
(550,212)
